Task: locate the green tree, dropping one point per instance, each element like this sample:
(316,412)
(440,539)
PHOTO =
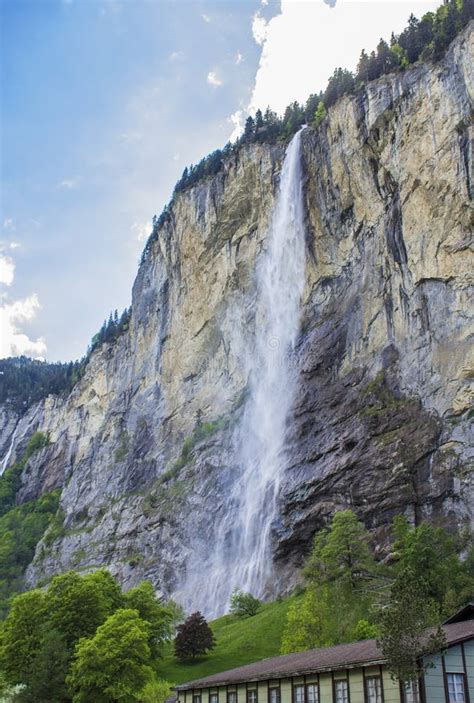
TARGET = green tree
(156,691)
(433,555)
(194,638)
(114,664)
(341,553)
(244,605)
(46,680)
(158,616)
(22,635)
(77,605)
(365,630)
(403,626)
(249,131)
(320,114)
(307,625)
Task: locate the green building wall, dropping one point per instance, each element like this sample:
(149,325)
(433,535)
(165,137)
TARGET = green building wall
(457,659)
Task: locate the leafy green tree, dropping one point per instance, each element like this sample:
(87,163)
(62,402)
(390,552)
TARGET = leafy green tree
(365,630)
(307,625)
(244,605)
(320,114)
(77,605)
(341,553)
(46,680)
(194,638)
(158,616)
(22,635)
(114,664)
(156,691)
(403,624)
(398,56)
(434,556)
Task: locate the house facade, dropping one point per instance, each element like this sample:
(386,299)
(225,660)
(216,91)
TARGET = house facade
(348,673)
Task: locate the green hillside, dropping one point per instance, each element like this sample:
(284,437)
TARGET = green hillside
(238,642)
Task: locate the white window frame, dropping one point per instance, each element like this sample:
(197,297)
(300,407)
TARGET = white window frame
(341,696)
(411,691)
(376,694)
(456,687)
(315,684)
(298,690)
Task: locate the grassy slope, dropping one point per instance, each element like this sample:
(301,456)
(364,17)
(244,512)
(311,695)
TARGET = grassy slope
(238,642)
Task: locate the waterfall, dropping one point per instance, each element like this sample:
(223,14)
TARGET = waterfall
(242,551)
(6,458)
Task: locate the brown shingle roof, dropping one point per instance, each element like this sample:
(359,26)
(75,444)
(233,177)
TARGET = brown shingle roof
(339,657)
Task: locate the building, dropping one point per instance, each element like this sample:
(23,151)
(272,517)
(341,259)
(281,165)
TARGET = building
(346,673)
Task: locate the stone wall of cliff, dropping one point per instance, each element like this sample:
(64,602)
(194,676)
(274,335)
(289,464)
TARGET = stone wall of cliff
(142,447)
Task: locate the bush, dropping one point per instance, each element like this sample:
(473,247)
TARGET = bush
(244,605)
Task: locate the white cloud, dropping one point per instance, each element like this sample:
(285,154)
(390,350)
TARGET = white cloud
(7,270)
(176,56)
(237,120)
(13,342)
(306,41)
(206,18)
(238,58)
(213,78)
(14,245)
(68,183)
(260,28)
(8,223)
(141,230)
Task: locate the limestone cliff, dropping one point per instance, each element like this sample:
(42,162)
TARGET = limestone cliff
(142,446)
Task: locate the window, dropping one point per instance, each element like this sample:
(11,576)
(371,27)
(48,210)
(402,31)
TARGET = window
(341,690)
(312,693)
(411,692)
(373,689)
(456,692)
(231,697)
(274,695)
(298,695)
(213,698)
(197,698)
(252,696)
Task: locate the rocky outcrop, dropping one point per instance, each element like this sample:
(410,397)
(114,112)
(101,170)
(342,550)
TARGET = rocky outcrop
(142,447)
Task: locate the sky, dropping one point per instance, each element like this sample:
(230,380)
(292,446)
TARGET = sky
(104,102)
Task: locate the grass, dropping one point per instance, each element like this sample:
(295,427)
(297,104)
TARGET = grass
(238,642)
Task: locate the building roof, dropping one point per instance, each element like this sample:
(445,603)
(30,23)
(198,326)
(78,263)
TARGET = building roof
(465,613)
(341,656)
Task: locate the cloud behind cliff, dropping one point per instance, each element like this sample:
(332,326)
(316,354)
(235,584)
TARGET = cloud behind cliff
(307,39)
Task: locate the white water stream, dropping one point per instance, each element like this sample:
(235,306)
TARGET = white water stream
(6,458)
(242,550)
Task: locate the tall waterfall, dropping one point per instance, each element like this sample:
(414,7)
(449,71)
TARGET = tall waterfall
(242,555)
(6,458)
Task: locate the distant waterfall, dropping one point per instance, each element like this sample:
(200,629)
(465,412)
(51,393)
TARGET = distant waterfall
(242,553)
(6,458)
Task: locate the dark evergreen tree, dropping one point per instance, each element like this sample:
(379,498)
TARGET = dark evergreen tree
(249,130)
(363,67)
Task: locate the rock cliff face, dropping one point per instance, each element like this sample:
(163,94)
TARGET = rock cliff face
(142,447)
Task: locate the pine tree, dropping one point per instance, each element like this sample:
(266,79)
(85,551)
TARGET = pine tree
(249,130)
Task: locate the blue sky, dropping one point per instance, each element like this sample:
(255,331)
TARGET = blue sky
(103,104)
